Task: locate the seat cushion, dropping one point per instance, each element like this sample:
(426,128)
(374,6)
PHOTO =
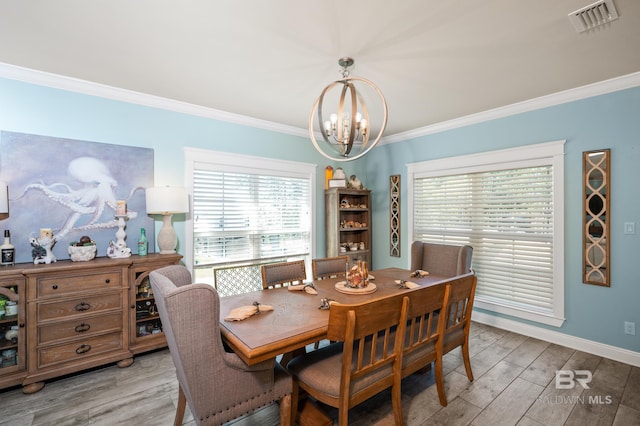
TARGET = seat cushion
(321,369)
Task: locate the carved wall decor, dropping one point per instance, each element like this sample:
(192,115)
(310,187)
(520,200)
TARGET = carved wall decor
(597,201)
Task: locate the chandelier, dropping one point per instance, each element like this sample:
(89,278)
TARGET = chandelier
(346,134)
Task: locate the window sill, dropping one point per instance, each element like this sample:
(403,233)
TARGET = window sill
(529,315)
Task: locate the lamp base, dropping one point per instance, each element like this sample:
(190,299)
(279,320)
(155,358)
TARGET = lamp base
(167,237)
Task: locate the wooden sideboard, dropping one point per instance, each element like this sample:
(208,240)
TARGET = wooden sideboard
(78,315)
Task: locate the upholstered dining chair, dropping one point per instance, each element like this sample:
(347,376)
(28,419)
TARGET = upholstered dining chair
(365,360)
(329,267)
(441,259)
(283,273)
(218,385)
(458,317)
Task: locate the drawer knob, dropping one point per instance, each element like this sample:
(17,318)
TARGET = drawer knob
(83,349)
(82,328)
(82,306)
(107,281)
(55,286)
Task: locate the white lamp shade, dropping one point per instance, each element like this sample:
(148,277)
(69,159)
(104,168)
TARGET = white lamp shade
(167,200)
(4,198)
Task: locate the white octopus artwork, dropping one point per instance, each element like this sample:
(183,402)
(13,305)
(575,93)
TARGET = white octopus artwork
(92,198)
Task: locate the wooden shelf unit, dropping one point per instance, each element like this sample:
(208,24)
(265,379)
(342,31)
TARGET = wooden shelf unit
(348,221)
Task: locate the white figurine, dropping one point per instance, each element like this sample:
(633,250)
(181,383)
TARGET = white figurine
(118,250)
(354,183)
(42,249)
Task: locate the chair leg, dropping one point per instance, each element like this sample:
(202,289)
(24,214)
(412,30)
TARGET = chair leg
(343,410)
(285,411)
(343,417)
(182,403)
(467,361)
(442,396)
(295,396)
(396,402)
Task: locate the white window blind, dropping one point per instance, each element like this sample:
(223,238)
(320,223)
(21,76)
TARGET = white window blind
(249,216)
(506,216)
(507,210)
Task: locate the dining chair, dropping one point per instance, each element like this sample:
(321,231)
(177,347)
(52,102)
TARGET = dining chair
(237,279)
(283,273)
(217,384)
(441,259)
(365,360)
(458,317)
(329,267)
(423,342)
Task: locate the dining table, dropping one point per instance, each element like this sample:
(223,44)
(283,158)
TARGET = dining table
(296,319)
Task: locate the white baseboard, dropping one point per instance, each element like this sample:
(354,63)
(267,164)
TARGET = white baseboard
(618,354)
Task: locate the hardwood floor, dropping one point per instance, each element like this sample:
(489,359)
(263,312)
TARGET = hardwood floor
(514,385)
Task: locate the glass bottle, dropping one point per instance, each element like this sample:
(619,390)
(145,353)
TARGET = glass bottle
(7,250)
(143,244)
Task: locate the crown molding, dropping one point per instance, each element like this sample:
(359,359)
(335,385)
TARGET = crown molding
(600,88)
(56,81)
(114,93)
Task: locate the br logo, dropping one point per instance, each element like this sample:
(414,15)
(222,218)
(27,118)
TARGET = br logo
(566,379)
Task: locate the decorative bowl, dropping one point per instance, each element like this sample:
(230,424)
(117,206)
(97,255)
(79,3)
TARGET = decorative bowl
(82,253)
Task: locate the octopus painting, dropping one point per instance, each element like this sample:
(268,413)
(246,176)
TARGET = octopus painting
(95,194)
(73,187)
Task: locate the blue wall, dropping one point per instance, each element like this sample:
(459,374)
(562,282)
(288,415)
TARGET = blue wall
(29,108)
(606,121)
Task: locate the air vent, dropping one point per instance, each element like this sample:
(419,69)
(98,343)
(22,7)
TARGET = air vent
(598,13)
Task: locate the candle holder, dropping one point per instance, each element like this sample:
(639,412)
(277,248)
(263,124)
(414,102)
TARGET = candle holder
(119,249)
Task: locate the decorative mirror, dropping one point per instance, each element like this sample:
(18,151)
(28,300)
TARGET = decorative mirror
(597,198)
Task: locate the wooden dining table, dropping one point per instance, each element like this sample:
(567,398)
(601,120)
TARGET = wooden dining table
(296,319)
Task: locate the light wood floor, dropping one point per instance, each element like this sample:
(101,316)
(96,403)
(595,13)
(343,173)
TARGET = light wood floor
(514,385)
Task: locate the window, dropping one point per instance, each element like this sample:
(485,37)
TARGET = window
(248,210)
(508,205)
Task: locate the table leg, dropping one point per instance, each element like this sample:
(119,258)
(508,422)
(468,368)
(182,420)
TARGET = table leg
(309,414)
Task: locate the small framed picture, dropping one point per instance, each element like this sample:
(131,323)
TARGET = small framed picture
(337,183)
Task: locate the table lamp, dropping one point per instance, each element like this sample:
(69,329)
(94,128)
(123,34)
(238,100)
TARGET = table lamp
(167,201)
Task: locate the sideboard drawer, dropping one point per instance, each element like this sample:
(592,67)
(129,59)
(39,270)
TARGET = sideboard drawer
(79,349)
(59,309)
(64,284)
(80,327)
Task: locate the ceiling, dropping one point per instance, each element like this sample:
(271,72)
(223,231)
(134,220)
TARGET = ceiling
(433,60)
